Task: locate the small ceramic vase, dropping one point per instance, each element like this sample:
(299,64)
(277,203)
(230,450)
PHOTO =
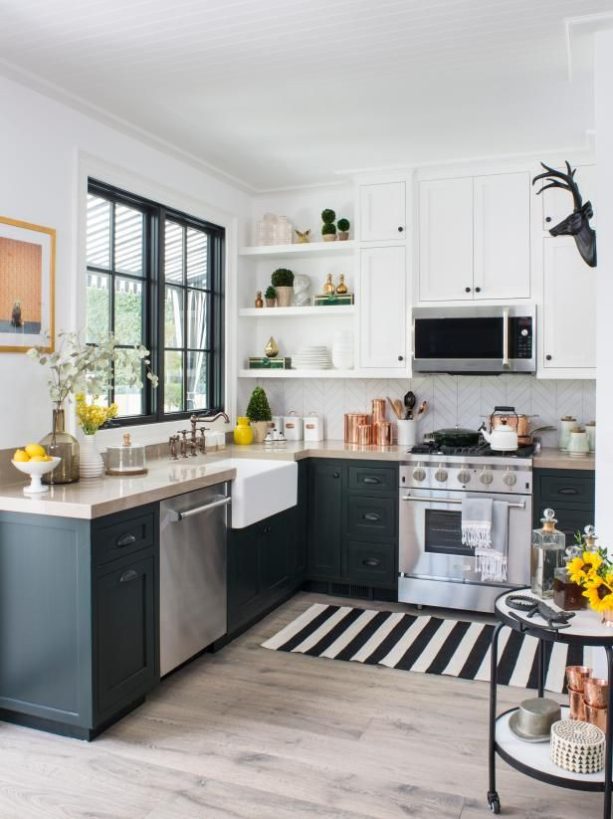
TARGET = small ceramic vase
(91,464)
(260,429)
(259,301)
(341,287)
(272,348)
(329,288)
(243,434)
(284,296)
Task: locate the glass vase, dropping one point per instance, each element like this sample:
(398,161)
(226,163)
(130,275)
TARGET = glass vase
(61,444)
(91,463)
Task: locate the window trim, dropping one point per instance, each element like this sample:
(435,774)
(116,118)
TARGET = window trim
(153,313)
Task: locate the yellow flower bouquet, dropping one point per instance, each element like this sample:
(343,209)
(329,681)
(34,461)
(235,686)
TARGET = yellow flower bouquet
(593,571)
(92,416)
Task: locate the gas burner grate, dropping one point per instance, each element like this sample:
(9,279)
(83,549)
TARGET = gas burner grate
(480,450)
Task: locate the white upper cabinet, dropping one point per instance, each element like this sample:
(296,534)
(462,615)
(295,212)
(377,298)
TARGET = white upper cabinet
(474,238)
(382,211)
(446,240)
(502,236)
(557,203)
(568,314)
(383,308)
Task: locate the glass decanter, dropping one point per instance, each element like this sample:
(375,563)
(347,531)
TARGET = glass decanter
(548,548)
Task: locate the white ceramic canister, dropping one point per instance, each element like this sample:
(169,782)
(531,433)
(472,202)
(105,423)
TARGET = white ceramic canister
(292,426)
(567,424)
(313,427)
(591,435)
(406,433)
(578,445)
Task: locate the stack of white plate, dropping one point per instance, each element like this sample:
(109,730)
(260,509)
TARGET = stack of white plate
(311,358)
(342,351)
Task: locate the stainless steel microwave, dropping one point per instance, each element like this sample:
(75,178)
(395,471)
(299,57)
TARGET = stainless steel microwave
(474,339)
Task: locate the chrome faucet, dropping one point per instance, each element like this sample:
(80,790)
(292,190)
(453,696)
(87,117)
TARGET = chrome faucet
(199,444)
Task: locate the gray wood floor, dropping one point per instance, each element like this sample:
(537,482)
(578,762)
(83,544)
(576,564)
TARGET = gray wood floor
(255,733)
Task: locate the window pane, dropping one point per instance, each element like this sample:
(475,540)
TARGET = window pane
(173,252)
(128,240)
(197,258)
(98,232)
(129,304)
(173,381)
(197,319)
(197,366)
(128,397)
(173,317)
(98,306)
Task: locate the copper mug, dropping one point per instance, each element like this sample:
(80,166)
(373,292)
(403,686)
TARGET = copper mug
(577,705)
(596,692)
(597,716)
(576,676)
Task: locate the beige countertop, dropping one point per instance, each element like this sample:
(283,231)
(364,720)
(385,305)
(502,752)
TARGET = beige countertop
(103,496)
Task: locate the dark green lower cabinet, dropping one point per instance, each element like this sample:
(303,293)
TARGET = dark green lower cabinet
(78,619)
(571,493)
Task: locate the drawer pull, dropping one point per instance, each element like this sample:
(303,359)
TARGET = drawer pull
(371,480)
(126,577)
(371,516)
(568,490)
(126,540)
(336,474)
(371,562)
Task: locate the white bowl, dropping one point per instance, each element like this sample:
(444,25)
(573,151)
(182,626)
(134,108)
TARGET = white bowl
(36,469)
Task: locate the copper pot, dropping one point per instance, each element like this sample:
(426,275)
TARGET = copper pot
(352,421)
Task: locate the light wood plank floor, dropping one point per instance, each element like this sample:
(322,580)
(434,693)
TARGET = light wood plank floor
(260,734)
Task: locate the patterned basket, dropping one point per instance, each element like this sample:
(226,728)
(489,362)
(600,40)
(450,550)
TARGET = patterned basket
(577,746)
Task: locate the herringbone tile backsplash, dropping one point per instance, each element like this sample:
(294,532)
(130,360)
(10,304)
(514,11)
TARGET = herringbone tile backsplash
(454,400)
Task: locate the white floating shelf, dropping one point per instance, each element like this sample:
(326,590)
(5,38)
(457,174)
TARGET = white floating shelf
(307,249)
(323,374)
(303,312)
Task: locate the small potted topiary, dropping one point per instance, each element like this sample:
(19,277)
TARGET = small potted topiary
(258,412)
(270,296)
(343,226)
(328,229)
(283,282)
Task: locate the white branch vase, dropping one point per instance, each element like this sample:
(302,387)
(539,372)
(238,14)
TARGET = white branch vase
(91,464)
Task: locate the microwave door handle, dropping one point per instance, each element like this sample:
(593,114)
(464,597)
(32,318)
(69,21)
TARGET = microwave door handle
(506,364)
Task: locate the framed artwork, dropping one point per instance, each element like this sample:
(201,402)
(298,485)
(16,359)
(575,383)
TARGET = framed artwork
(27,286)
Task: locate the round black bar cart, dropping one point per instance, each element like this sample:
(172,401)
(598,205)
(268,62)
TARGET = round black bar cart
(534,759)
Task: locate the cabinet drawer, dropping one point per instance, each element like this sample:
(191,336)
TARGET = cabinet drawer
(123,537)
(371,518)
(566,489)
(379,480)
(371,564)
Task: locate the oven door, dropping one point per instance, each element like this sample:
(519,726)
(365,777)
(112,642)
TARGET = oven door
(431,537)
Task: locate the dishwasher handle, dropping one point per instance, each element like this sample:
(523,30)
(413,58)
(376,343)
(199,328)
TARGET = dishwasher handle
(177,516)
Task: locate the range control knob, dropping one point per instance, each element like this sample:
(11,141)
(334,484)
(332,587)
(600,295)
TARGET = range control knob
(464,476)
(441,475)
(486,477)
(419,474)
(510,479)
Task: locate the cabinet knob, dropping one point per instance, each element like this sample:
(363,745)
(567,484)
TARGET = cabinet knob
(548,357)
(336,474)
(467,289)
(400,229)
(548,218)
(400,358)
(477,289)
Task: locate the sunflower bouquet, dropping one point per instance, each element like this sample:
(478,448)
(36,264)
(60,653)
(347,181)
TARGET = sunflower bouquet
(92,416)
(593,571)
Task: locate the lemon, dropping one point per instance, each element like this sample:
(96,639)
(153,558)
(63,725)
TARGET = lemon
(47,458)
(21,456)
(35,449)
(37,459)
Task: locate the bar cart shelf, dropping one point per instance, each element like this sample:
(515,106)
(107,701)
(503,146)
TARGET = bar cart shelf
(533,759)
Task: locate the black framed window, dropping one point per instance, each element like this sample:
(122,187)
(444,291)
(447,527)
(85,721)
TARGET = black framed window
(155,277)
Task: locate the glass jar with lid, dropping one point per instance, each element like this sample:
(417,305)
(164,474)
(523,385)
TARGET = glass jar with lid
(548,548)
(567,594)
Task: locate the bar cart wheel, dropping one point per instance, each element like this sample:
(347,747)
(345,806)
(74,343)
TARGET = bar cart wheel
(493,802)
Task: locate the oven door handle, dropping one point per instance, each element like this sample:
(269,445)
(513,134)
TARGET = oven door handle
(456,501)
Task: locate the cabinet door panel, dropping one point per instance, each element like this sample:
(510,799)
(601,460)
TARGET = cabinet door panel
(275,551)
(502,236)
(371,518)
(383,308)
(382,211)
(126,631)
(446,240)
(569,307)
(243,573)
(371,564)
(326,519)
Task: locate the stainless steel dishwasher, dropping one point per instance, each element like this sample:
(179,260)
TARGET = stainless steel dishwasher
(193,598)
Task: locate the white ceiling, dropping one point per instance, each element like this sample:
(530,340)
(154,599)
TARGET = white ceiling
(286,92)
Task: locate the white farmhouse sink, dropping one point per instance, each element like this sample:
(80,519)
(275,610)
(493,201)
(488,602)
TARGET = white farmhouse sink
(261,488)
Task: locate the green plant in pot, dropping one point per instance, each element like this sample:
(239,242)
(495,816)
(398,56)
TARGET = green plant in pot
(328,229)
(283,282)
(270,296)
(258,412)
(343,226)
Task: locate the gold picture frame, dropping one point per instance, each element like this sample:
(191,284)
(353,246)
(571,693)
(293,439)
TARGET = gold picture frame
(27,286)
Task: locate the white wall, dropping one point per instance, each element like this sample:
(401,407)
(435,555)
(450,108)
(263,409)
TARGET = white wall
(45,150)
(603,68)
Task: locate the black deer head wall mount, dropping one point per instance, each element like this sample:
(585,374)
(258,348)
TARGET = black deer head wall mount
(577,224)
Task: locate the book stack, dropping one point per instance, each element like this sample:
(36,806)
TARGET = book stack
(263,363)
(333,300)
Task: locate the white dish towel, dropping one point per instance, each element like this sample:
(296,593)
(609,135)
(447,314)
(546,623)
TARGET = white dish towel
(477,522)
(492,560)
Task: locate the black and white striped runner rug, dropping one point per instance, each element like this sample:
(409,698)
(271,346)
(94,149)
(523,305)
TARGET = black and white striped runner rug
(430,645)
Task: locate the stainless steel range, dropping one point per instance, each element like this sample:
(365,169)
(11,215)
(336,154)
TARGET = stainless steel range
(435,568)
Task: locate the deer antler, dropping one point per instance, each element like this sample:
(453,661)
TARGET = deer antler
(567,182)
